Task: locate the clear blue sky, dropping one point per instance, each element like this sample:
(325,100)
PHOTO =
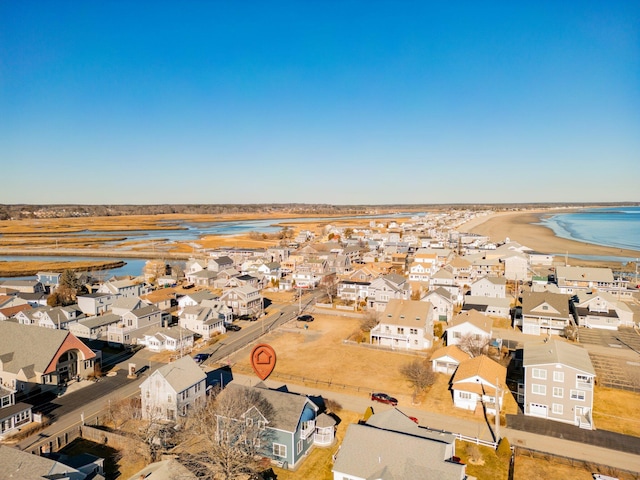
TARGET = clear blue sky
(339,102)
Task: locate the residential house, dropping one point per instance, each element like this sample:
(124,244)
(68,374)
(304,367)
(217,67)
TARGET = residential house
(33,357)
(545,313)
(444,278)
(24,286)
(490,306)
(245,300)
(94,328)
(50,280)
(462,271)
(217,264)
(95,303)
(169,339)
(194,265)
(202,278)
(12,415)
(479,382)
(352,291)
(446,359)
(288,434)
(23,465)
(516,267)
(194,299)
(172,390)
(420,272)
(50,317)
(124,288)
(482,266)
(127,331)
(601,310)
(443,303)
(494,287)
(395,447)
(559,381)
(405,325)
(206,321)
(571,280)
(167,469)
(386,288)
(470,325)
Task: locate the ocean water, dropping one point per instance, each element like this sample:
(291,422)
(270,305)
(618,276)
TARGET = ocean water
(617,227)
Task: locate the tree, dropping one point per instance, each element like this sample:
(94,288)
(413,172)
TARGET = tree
(225,438)
(369,321)
(329,284)
(419,374)
(68,287)
(473,344)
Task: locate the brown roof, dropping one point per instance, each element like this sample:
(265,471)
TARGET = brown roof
(406,313)
(451,351)
(558,301)
(473,317)
(11,311)
(483,367)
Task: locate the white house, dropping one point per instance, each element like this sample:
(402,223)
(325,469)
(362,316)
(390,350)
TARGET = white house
(443,303)
(479,381)
(173,389)
(446,359)
(601,310)
(406,325)
(494,287)
(471,324)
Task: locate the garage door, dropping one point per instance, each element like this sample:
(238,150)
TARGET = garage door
(537,410)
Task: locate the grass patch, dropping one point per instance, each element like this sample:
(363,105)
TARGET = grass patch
(483,463)
(616,410)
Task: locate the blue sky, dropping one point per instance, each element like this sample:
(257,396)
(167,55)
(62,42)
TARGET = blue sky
(338,102)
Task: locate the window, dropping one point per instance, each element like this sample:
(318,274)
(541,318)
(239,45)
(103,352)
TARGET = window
(169,398)
(538,389)
(261,424)
(413,331)
(577,395)
(299,447)
(558,376)
(249,422)
(400,330)
(557,408)
(539,373)
(465,395)
(558,392)
(279,450)
(583,378)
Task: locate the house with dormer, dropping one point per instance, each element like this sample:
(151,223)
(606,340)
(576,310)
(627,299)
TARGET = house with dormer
(13,415)
(206,319)
(404,325)
(172,390)
(194,298)
(545,313)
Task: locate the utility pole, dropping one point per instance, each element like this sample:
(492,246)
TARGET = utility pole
(497,426)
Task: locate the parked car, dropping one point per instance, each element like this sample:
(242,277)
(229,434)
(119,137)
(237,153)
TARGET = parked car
(384,398)
(233,327)
(305,318)
(201,357)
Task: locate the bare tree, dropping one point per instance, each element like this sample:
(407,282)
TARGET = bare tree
(329,284)
(226,437)
(419,374)
(473,344)
(369,321)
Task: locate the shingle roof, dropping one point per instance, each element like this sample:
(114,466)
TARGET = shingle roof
(182,374)
(483,367)
(558,301)
(473,317)
(450,351)
(556,351)
(368,452)
(29,345)
(406,312)
(287,406)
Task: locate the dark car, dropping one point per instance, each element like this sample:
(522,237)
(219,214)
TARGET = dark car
(201,357)
(305,318)
(384,398)
(233,328)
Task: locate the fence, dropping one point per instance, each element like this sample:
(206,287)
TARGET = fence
(476,440)
(573,462)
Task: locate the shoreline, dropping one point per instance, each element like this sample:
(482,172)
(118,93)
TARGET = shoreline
(523,227)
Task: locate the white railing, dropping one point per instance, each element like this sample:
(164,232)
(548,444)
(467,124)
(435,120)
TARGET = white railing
(475,440)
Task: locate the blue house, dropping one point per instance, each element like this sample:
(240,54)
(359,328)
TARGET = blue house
(288,432)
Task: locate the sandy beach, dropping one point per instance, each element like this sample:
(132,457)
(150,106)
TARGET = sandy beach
(521,227)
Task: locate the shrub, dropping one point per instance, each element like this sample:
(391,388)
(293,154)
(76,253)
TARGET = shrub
(504,448)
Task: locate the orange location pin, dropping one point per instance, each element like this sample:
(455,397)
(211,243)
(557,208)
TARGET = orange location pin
(263,360)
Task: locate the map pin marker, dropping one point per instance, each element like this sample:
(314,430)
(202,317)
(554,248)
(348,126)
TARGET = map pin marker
(263,360)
